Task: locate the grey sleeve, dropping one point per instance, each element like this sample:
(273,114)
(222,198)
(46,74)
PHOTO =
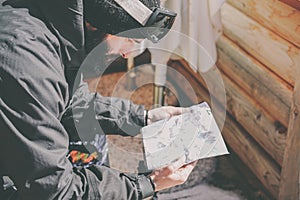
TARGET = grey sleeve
(115,185)
(34,144)
(90,113)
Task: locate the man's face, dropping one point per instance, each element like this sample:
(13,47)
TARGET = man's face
(126,47)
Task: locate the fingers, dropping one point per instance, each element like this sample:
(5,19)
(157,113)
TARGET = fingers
(173,175)
(177,164)
(189,167)
(165,112)
(187,171)
(173,167)
(186,110)
(158,114)
(184,172)
(175,110)
(194,163)
(178,110)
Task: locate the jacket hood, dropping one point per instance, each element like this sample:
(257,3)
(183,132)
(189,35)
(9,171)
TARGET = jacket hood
(65,19)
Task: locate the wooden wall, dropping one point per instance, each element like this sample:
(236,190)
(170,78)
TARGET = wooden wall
(260,53)
(259,59)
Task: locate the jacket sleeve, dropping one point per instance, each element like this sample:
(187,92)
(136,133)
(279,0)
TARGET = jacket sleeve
(90,113)
(34,144)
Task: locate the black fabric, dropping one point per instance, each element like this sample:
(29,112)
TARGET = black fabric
(109,17)
(34,95)
(65,19)
(144,184)
(90,113)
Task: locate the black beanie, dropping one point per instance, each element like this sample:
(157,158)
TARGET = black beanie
(109,17)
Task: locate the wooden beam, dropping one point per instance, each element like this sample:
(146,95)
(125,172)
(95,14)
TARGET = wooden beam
(273,14)
(260,83)
(235,136)
(248,113)
(253,187)
(255,120)
(266,46)
(252,155)
(290,175)
(293,3)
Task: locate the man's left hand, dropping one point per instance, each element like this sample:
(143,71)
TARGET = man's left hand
(164,112)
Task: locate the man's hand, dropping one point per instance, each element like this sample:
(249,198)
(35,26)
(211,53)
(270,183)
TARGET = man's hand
(172,175)
(164,112)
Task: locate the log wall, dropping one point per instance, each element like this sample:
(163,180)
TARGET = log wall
(260,53)
(259,59)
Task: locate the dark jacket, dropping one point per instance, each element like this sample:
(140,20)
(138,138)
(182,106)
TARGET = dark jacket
(37,41)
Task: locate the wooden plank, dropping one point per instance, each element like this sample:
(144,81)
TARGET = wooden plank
(235,136)
(255,120)
(252,155)
(256,80)
(290,175)
(273,14)
(293,3)
(266,46)
(249,114)
(252,186)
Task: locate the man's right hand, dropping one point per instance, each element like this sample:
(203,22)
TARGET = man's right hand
(172,175)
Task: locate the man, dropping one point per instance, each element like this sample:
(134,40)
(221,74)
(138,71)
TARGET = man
(38,41)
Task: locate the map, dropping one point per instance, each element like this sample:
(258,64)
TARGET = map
(193,135)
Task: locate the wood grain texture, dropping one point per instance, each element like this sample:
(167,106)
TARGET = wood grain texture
(293,3)
(248,150)
(273,14)
(290,175)
(266,46)
(260,125)
(256,80)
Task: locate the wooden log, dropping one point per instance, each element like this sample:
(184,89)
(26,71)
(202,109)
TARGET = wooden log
(254,119)
(269,48)
(249,114)
(252,155)
(253,187)
(290,175)
(256,80)
(235,136)
(293,3)
(273,14)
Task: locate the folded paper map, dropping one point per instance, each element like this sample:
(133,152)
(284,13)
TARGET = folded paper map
(194,135)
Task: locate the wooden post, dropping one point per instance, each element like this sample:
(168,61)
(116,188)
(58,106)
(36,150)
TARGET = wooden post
(290,173)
